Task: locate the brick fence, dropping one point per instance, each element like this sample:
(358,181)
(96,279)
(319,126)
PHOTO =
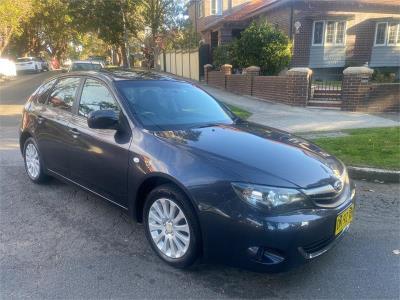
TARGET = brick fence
(382,97)
(272,88)
(358,93)
(289,89)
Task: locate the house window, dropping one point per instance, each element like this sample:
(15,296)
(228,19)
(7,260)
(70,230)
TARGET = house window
(340,32)
(398,34)
(216,7)
(199,9)
(393,34)
(318,33)
(329,33)
(380,36)
(387,34)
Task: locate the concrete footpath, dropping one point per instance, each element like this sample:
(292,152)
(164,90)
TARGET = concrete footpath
(301,119)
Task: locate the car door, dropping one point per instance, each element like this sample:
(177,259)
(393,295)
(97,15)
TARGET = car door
(53,134)
(99,160)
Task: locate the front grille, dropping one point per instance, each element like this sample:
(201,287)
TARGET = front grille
(331,199)
(327,196)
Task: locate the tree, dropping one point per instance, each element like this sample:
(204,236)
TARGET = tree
(113,21)
(12,16)
(160,16)
(265,46)
(226,54)
(57,27)
(50,29)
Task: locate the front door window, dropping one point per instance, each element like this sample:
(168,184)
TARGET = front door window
(96,96)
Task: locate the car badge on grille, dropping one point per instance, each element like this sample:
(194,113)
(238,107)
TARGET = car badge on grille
(338,185)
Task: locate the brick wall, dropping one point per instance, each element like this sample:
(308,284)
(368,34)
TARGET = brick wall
(280,17)
(272,88)
(290,89)
(239,84)
(359,94)
(381,97)
(216,78)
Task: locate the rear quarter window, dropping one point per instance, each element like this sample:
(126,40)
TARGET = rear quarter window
(42,92)
(63,95)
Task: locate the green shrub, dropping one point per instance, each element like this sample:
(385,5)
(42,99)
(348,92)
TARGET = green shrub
(263,45)
(225,54)
(383,76)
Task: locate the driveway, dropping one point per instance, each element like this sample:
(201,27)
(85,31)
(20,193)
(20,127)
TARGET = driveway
(301,119)
(59,242)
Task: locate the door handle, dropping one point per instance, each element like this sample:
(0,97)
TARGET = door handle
(75,132)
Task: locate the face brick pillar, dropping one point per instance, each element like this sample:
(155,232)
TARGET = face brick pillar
(207,68)
(298,86)
(250,72)
(355,87)
(226,69)
(253,71)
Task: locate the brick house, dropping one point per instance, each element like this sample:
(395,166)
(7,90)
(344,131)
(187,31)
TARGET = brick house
(327,35)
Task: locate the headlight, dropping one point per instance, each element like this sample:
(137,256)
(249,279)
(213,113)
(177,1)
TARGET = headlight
(270,198)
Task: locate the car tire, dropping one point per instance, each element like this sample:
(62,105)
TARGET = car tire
(176,239)
(33,162)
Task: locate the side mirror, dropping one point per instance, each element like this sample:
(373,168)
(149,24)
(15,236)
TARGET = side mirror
(103,119)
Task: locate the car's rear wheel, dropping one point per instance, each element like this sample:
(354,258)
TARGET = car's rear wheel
(33,162)
(171,226)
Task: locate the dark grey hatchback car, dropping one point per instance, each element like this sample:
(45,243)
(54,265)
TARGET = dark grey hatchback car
(204,183)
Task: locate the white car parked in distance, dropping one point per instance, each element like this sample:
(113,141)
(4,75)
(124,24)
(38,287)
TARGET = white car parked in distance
(29,64)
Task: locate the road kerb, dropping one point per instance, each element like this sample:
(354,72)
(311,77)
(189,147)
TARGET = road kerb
(374,174)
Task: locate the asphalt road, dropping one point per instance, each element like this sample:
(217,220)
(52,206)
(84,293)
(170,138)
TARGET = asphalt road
(57,241)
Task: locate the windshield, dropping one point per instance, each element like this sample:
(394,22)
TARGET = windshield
(85,67)
(168,105)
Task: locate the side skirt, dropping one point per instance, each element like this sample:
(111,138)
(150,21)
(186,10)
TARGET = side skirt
(66,179)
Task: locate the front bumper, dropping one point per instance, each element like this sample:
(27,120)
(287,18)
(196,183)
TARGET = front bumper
(247,239)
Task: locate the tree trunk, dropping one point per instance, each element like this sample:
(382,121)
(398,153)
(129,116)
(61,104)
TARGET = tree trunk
(124,56)
(119,56)
(5,42)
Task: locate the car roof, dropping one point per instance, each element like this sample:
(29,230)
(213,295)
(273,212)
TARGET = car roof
(117,74)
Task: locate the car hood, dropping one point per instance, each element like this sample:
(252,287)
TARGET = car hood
(264,150)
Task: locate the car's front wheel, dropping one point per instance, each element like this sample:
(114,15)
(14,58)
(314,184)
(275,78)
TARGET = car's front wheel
(33,163)
(171,226)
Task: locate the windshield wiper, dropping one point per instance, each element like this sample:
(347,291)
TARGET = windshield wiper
(204,125)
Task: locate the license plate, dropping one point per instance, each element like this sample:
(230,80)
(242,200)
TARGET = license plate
(344,219)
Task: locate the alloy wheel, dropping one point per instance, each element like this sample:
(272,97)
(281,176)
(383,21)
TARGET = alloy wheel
(169,228)
(32,161)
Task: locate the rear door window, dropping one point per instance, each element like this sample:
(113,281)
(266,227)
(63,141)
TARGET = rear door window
(64,93)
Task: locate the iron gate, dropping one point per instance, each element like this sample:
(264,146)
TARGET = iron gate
(327,92)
